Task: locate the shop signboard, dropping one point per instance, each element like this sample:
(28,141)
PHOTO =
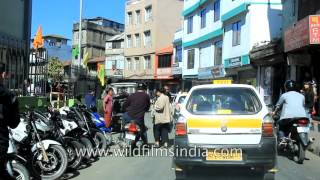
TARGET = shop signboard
(314,26)
(303,33)
(205,73)
(218,71)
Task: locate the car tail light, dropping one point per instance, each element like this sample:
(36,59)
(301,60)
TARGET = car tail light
(303,122)
(181,127)
(267,127)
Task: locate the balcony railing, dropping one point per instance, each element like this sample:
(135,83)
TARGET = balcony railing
(129,2)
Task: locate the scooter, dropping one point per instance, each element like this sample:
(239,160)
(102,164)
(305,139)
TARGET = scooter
(130,138)
(297,139)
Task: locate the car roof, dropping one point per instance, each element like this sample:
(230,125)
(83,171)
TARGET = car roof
(208,86)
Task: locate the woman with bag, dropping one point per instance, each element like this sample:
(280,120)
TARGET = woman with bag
(162,118)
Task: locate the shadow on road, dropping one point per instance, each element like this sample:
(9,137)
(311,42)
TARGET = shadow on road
(220,174)
(70,175)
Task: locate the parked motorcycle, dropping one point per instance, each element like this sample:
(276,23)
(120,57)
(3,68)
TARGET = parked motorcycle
(85,118)
(16,164)
(47,159)
(52,127)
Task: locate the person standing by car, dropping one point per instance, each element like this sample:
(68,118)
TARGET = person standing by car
(309,98)
(9,117)
(162,118)
(107,107)
(136,106)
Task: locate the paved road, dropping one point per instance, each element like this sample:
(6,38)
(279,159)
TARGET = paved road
(159,168)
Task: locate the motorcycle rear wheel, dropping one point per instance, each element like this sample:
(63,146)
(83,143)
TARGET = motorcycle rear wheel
(300,154)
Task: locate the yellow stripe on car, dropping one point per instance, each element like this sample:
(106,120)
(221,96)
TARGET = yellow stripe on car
(229,122)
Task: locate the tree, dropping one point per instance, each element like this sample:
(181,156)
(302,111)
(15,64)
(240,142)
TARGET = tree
(55,69)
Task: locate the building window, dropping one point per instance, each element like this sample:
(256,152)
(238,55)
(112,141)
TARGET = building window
(116,45)
(190,24)
(129,41)
(129,18)
(138,40)
(203,16)
(164,61)
(191,56)
(147,62)
(129,62)
(148,14)
(178,57)
(138,17)
(218,53)
(137,63)
(147,38)
(216,10)
(236,33)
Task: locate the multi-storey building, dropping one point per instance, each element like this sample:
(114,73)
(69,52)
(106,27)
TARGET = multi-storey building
(218,36)
(114,63)
(57,47)
(177,56)
(15,18)
(95,32)
(150,27)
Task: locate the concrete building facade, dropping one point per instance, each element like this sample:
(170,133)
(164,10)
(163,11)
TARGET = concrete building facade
(95,32)
(218,36)
(114,63)
(57,47)
(150,27)
(15,39)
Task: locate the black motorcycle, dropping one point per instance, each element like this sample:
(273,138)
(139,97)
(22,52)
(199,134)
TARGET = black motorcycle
(53,131)
(47,159)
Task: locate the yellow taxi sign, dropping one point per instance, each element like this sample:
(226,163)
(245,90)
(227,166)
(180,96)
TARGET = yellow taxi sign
(222,81)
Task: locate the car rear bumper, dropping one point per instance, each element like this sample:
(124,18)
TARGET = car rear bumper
(261,155)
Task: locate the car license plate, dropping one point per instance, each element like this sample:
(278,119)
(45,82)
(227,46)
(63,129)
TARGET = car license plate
(224,155)
(303,129)
(131,136)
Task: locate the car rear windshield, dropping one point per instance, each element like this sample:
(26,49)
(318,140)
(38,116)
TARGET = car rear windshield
(224,101)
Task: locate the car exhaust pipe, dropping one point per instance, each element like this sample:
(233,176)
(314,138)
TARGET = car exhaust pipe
(176,168)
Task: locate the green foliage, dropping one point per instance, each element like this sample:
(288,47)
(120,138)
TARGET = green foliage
(55,69)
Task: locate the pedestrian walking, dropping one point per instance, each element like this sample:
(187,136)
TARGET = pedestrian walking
(162,118)
(309,98)
(107,107)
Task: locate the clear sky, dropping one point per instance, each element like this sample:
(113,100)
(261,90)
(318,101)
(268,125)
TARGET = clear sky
(57,16)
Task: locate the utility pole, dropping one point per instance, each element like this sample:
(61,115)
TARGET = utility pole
(80,34)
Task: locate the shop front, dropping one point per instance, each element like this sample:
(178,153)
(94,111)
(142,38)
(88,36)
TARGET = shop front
(301,43)
(271,68)
(208,74)
(240,70)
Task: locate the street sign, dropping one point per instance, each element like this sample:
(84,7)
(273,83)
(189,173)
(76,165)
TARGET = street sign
(314,26)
